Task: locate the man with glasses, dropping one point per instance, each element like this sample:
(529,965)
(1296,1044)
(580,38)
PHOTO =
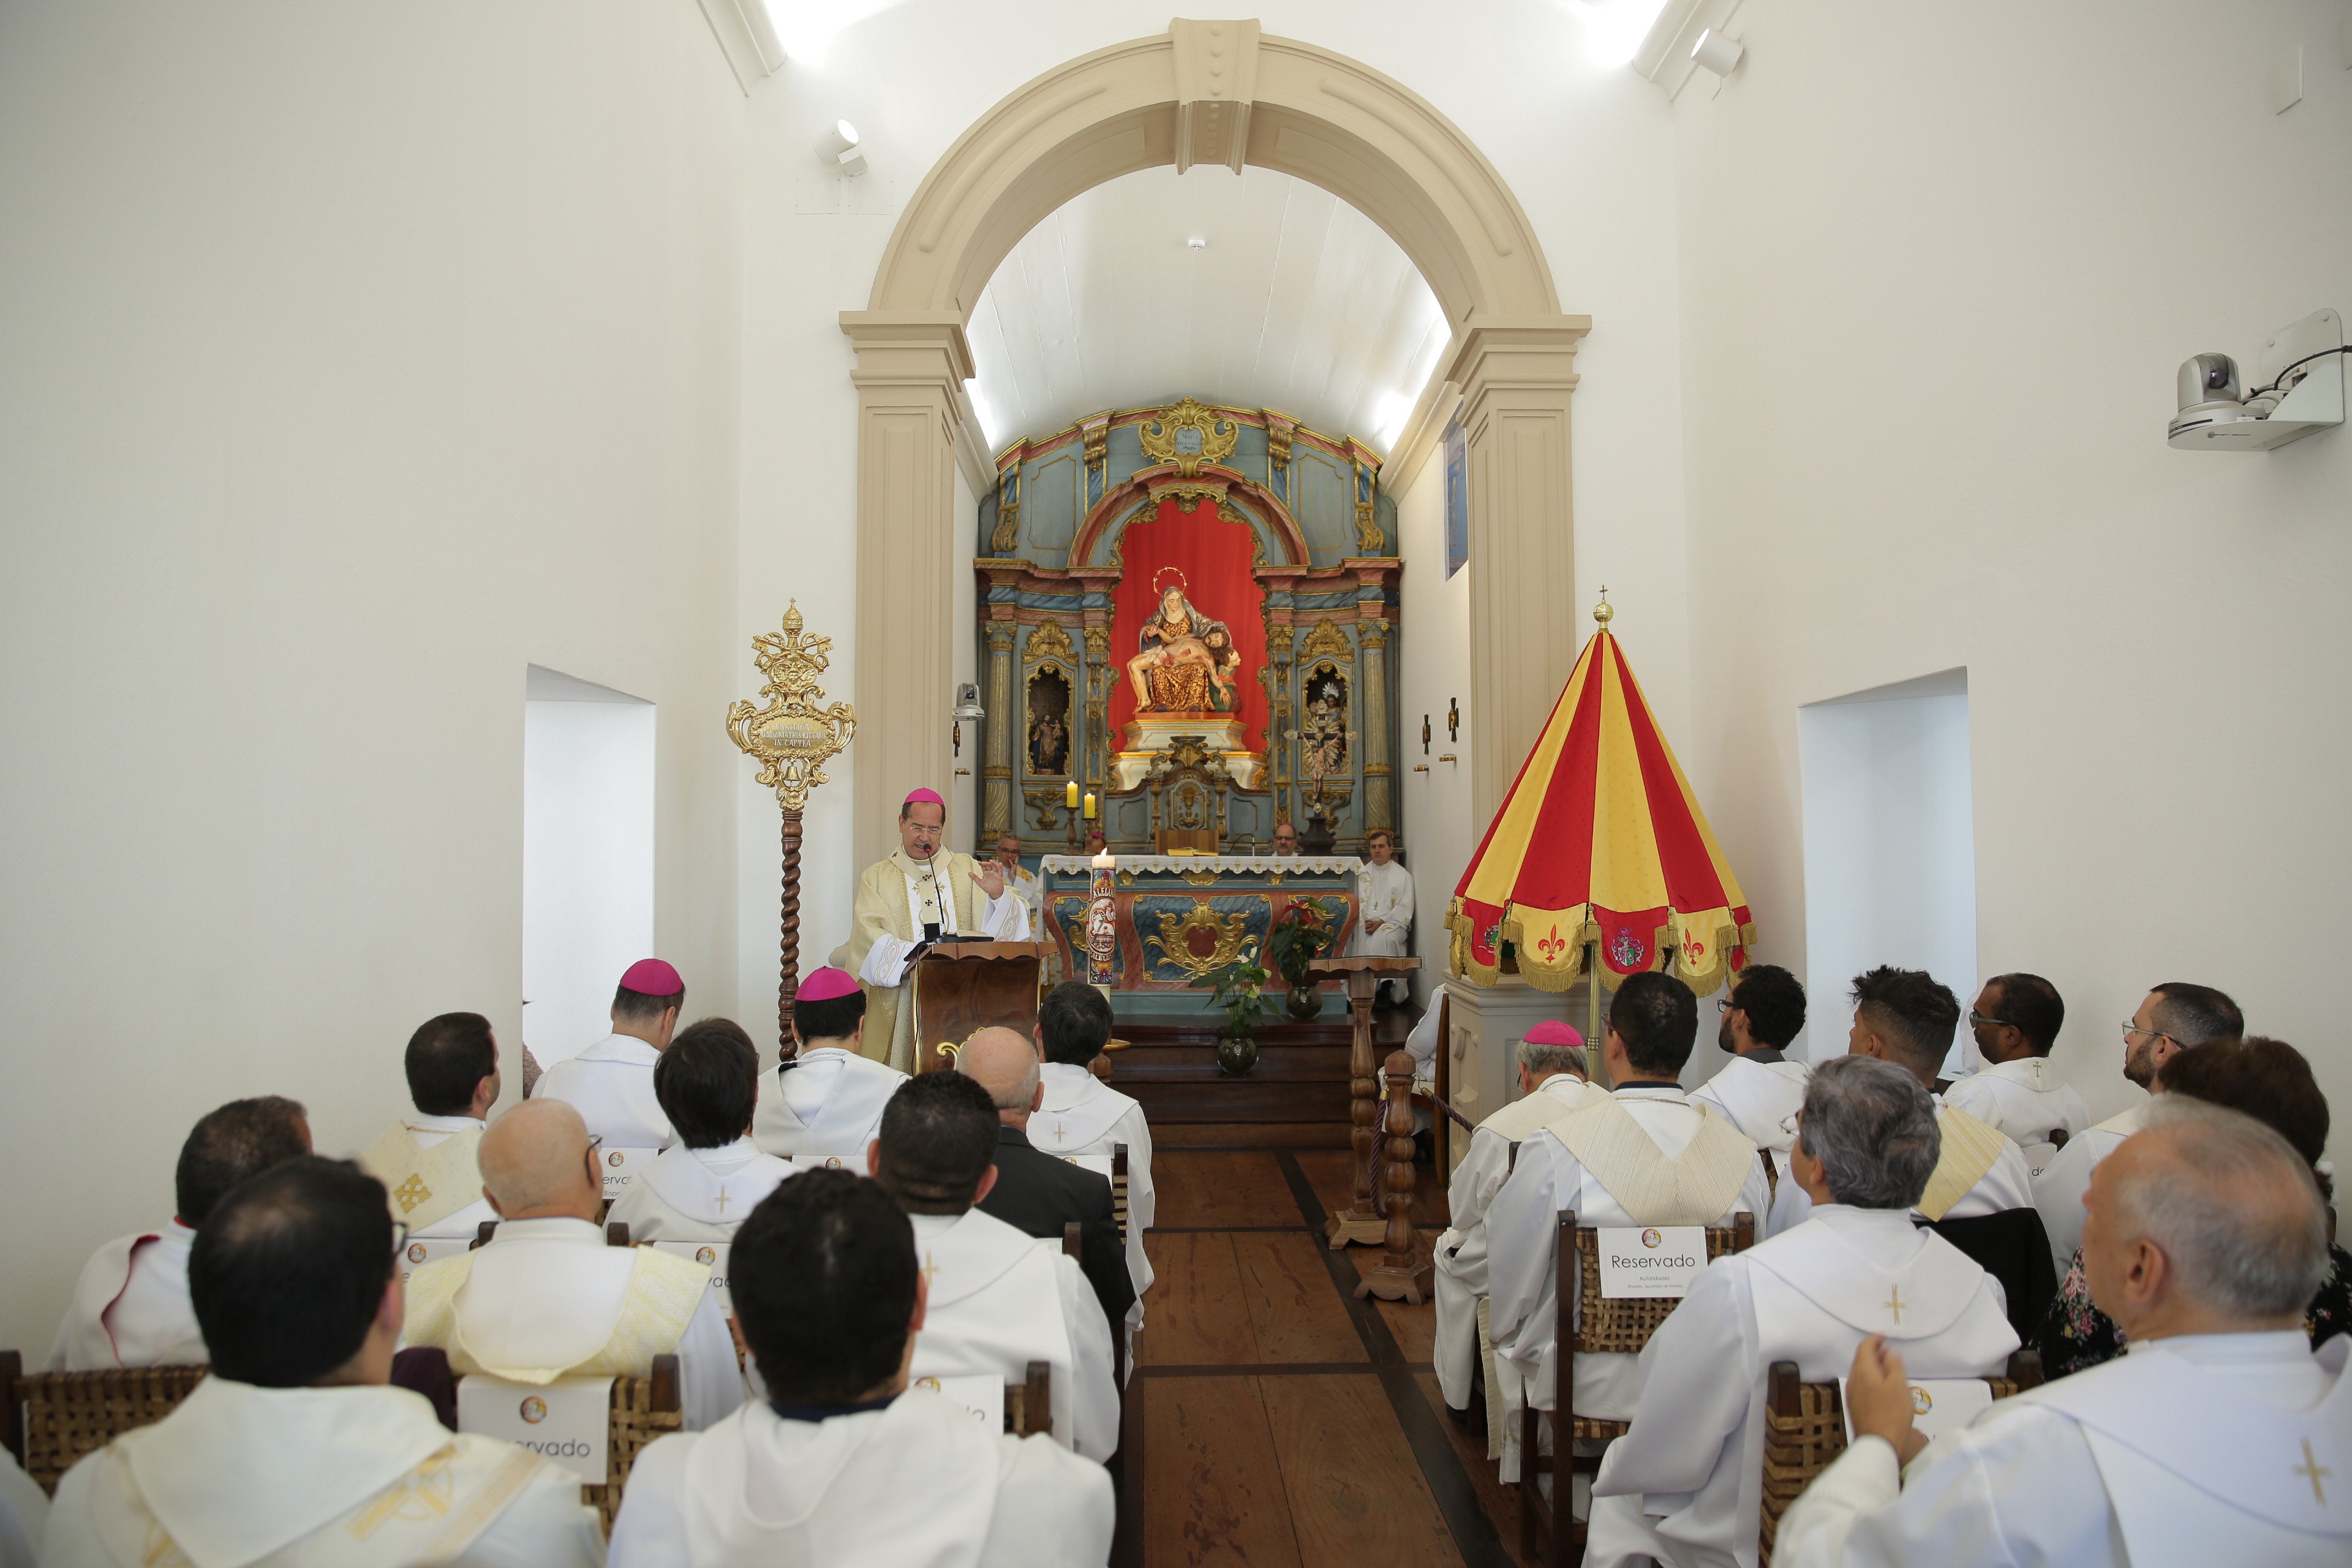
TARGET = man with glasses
(1759,1088)
(2174,1016)
(548,1298)
(2016,1020)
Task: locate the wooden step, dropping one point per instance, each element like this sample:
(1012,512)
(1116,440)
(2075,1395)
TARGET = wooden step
(1240,1099)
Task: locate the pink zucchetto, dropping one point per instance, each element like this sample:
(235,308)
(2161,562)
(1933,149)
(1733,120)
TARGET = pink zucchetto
(652,977)
(825,984)
(1551,1032)
(927,798)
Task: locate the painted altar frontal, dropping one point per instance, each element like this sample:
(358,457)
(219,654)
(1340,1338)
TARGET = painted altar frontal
(1180,916)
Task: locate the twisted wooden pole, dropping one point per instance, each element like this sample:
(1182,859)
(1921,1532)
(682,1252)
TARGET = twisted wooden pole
(788,946)
(1402,1275)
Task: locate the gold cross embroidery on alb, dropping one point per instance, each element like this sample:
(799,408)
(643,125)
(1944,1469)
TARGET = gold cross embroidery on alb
(1895,1304)
(2311,1469)
(411,1193)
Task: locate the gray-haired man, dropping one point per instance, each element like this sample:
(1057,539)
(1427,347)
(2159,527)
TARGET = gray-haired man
(1678,1486)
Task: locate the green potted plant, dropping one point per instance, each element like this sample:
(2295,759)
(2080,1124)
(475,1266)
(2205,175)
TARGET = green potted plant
(1239,988)
(1293,943)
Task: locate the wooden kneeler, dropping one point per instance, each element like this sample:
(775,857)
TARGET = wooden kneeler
(1601,1326)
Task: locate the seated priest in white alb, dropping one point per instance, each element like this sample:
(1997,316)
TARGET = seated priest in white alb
(547,1298)
(824,1103)
(297,1452)
(2168,1020)
(846,1461)
(2016,1021)
(708,1182)
(611,1084)
(425,1160)
(1084,1115)
(1551,1085)
(1905,1016)
(998,1297)
(2221,1437)
(24,1515)
(1023,884)
(1383,909)
(1759,1088)
(131,1305)
(923,892)
(1642,1154)
(1680,1486)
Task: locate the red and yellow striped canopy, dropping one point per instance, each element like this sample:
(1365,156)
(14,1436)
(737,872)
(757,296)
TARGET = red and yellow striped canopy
(1599,840)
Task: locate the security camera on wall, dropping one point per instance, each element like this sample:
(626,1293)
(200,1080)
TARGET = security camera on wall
(2301,391)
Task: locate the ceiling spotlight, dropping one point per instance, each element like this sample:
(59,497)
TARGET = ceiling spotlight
(839,147)
(1197,242)
(1716,53)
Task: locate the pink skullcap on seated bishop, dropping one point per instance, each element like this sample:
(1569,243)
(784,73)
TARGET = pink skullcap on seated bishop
(926,798)
(825,984)
(1551,1032)
(652,977)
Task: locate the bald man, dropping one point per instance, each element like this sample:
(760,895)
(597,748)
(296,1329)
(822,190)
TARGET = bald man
(547,1298)
(2221,1437)
(1041,1192)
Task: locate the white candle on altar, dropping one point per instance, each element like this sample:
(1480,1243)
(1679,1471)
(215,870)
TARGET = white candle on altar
(1105,861)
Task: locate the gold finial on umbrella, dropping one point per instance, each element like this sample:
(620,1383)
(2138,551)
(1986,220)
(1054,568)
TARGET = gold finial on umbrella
(1601,612)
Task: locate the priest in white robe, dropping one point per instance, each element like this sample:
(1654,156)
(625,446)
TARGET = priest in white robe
(999,1298)
(1551,1085)
(923,892)
(611,1083)
(708,1182)
(824,1103)
(845,1461)
(1642,1154)
(1759,1088)
(2016,1020)
(548,1298)
(1683,1485)
(1084,1115)
(296,1452)
(1023,884)
(131,1305)
(2221,1436)
(1905,1018)
(1383,906)
(2168,1020)
(425,1160)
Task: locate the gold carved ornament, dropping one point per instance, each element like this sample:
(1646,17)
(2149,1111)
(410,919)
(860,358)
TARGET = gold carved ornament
(1326,640)
(1223,937)
(791,737)
(1048,640)
(1187,436)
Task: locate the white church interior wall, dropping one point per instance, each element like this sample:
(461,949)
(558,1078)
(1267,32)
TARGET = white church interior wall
(358,358)
(1938,266)
(1432,670)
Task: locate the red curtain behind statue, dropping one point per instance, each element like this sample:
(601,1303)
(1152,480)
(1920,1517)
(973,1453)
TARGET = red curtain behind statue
(1215,556)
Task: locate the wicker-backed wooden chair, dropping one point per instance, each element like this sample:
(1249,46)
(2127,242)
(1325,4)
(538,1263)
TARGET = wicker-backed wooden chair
(51,1419)
(1804,1430)
(643,1408)
(1601,1326)
(1029,1404)
(1119,1189)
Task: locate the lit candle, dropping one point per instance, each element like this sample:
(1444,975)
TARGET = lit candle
(1072,799)
(1091,803)
(1106,860)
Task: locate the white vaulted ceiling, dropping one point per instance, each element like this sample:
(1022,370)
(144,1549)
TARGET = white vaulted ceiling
(1297,303)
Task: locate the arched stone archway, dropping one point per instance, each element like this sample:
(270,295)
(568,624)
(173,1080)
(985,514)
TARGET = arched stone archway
(1213,93)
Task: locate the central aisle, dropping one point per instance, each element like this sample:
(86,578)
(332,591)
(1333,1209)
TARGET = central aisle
(1275,1420)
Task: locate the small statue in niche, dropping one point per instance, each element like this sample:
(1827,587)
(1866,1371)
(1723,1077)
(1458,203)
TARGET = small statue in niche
(1186,661)
(1323,731)
(1049,728)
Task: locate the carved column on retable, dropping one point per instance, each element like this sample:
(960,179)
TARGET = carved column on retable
(1281,642)
(1097,757)
(1516,375)
(996,766)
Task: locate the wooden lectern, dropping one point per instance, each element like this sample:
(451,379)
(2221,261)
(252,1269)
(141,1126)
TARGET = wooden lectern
(960,986)
(1358,1225)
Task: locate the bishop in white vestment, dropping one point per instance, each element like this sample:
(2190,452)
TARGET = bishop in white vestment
(611,1083)
(827,1102)
(921,892)
(1682,1486)
(2219,1437)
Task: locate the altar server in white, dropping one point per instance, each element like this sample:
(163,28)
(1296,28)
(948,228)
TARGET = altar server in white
(1759,1088)
(296,1452)
(1383,906)
(1905,1016)
(1084,1115)
(1682,1485)
(547,1298)
(824,1103)
(2016,1020)
(708,1182)
(611,1083)
(131,1305)
(1023,884)
(2174,1016)
(1000,1299)
(2221,1437)
(845,1462)
(425,1160)
(1642,1154)
(1551,1085)
(920,893)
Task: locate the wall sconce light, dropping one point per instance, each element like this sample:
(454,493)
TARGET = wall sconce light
(839,147)
(967,707)
(1716,53)
(1424,734)
(1452,721)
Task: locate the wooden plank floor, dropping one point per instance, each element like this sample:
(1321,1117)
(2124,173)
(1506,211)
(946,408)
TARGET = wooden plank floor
(1273,1419)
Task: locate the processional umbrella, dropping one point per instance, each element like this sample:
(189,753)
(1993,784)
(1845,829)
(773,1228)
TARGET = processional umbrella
(1600,849)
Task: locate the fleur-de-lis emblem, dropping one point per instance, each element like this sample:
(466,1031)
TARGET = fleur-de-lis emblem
(1551,945)
(1694,950)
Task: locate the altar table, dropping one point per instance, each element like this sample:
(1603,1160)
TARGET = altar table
(1181,917)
